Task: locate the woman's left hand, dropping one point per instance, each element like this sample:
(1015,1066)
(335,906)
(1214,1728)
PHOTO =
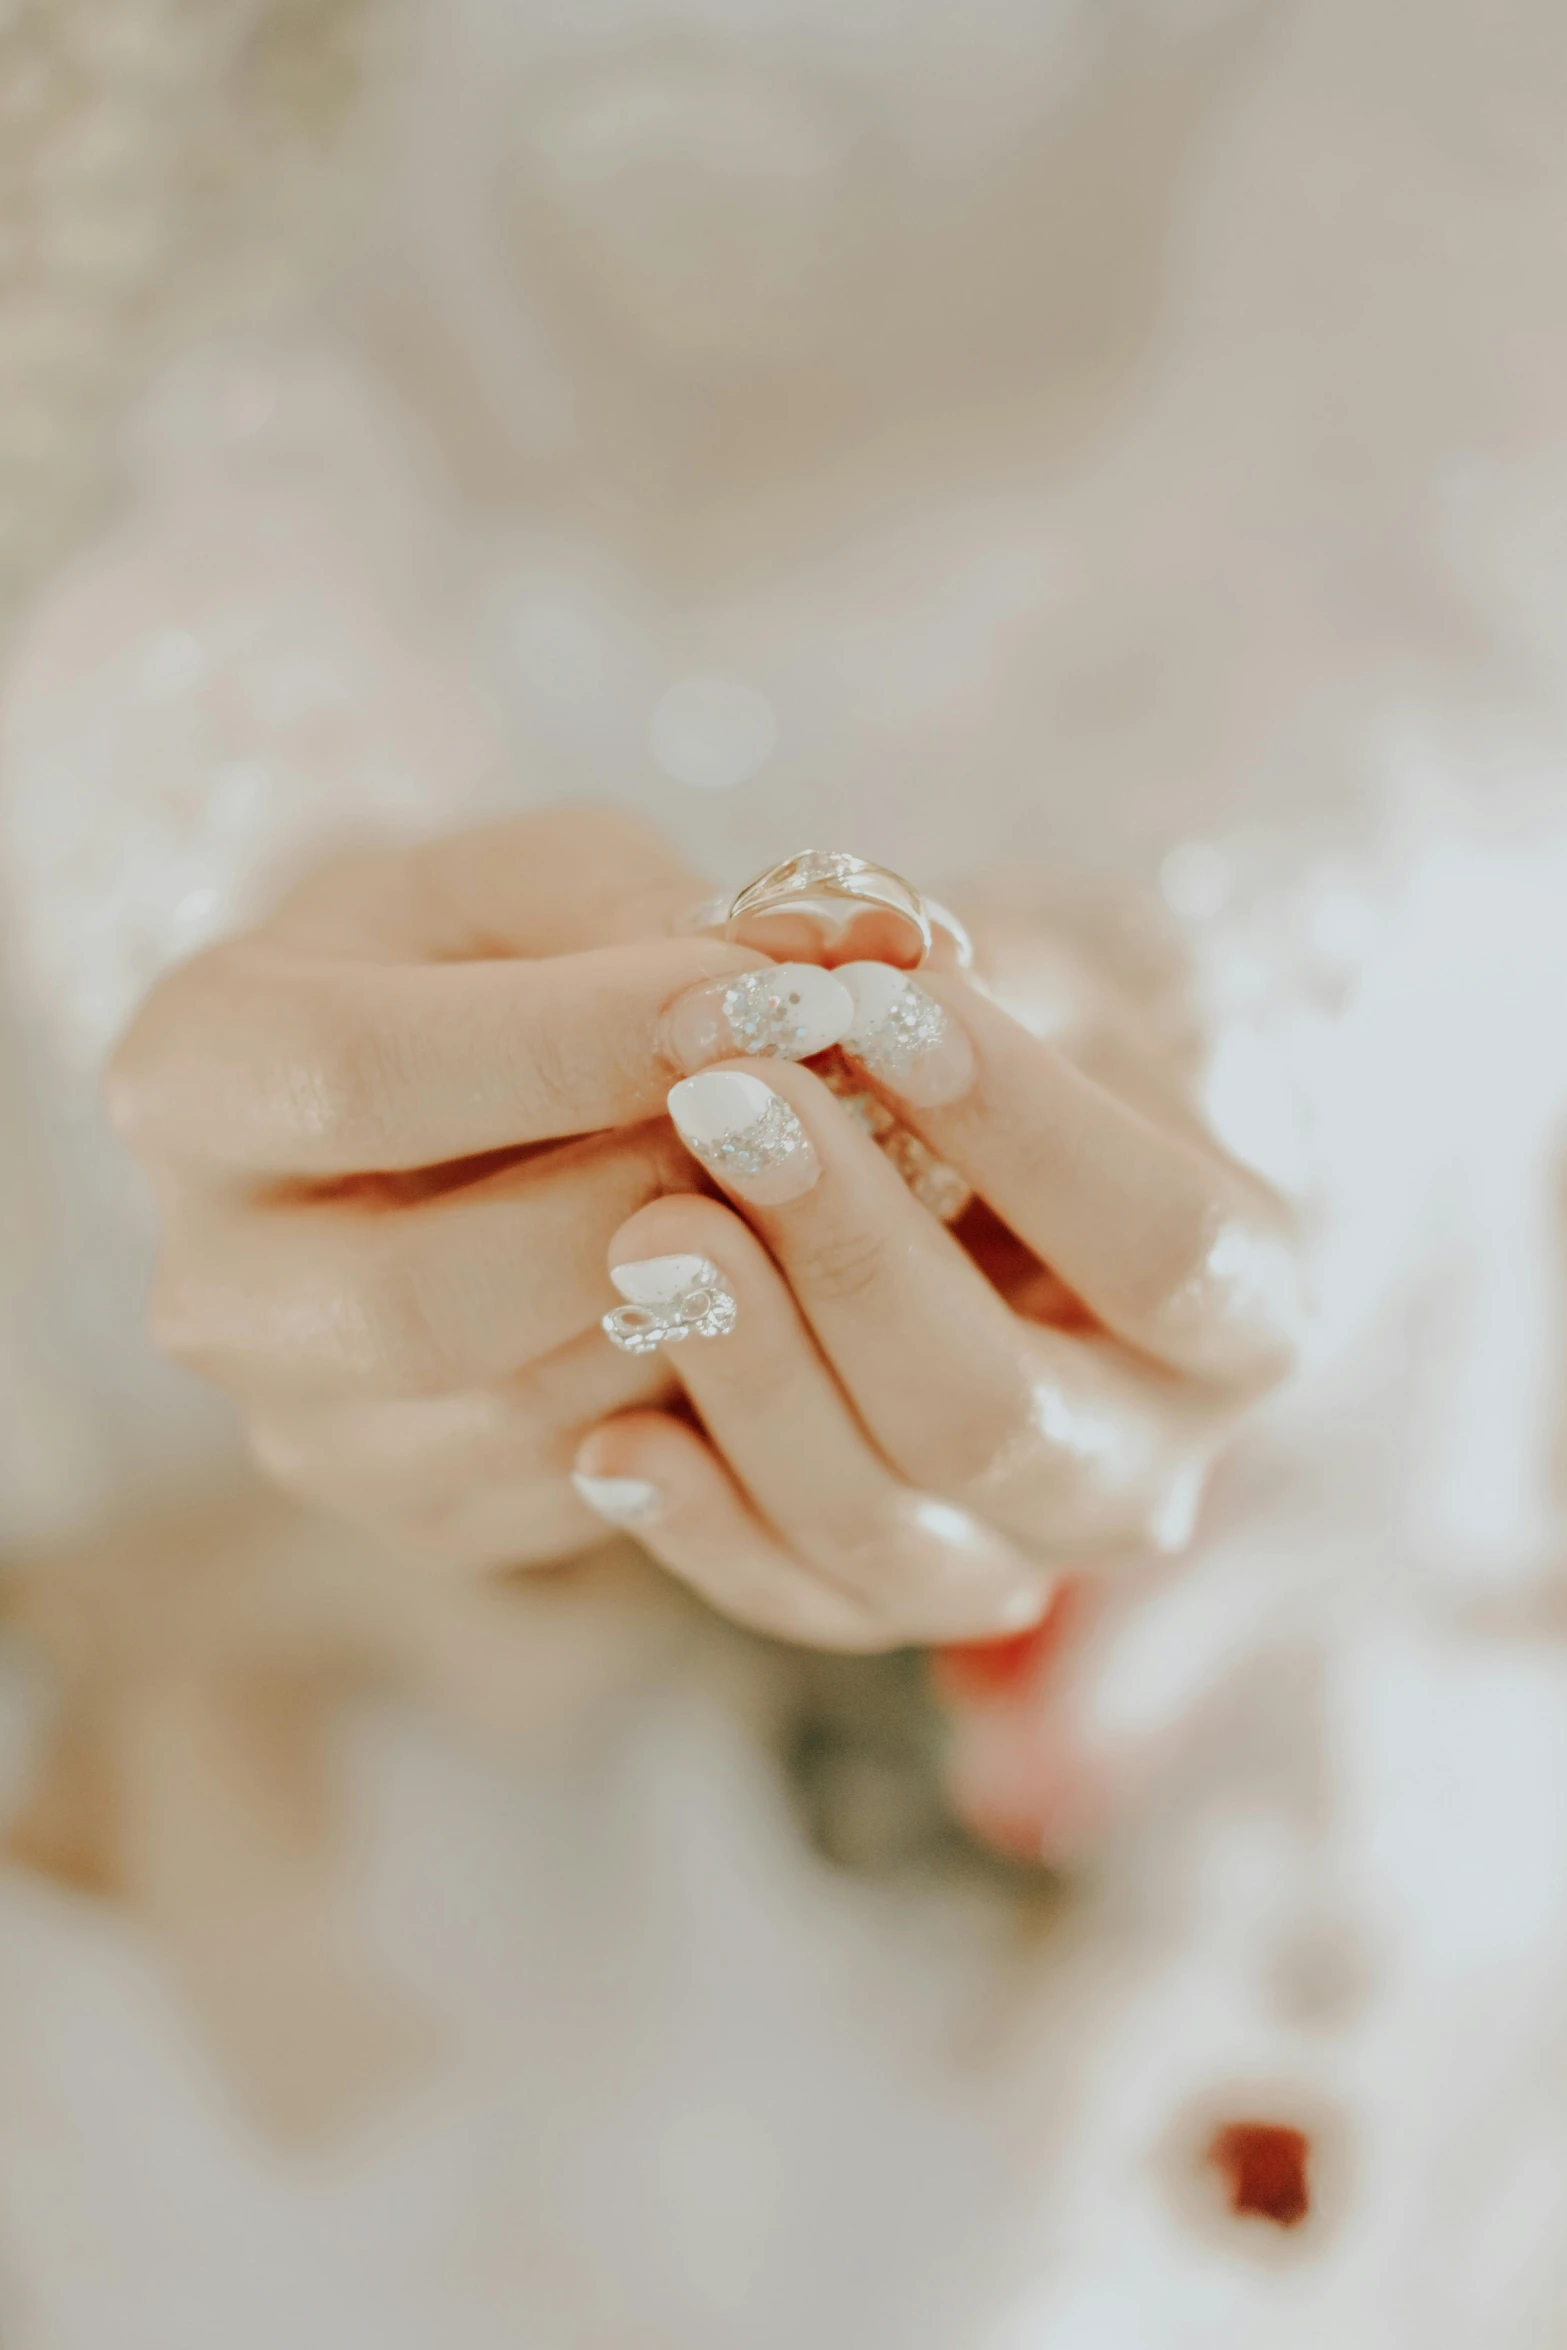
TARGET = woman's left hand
(886,1449)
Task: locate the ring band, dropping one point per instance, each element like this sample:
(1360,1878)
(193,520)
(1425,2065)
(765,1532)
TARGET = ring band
(826,906)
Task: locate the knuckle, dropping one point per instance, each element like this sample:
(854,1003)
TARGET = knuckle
(569,833)
(154,1068)
(193,1003)
(570,838)
(360,1328)
(237,1049)
(840,1266)
(549,1080)
(390,1328)
(372,1459)
(336,1078)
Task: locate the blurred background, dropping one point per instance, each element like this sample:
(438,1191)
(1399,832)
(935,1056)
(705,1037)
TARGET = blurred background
(1106,454)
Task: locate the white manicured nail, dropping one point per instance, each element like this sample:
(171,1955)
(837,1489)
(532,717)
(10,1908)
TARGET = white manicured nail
(747,1134)
(785,1012)
(662,1281)
(789,1012)
(670,1299)
(908,1042)
(620,1501)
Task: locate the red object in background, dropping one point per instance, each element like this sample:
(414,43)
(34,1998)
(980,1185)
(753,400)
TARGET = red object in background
(1009,1774)
(1264,2166)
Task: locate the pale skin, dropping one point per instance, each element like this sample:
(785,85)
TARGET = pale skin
(400,1134)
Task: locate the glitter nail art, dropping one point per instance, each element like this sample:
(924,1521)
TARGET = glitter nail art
(778,1014)
(671,1299)
(784,1012)
(739,1127)
(897,1025)
(771,1138)
(905,1037)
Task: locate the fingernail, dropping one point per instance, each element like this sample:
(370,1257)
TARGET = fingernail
(746,1134)
(669,1299)
(620,1501)
(785,1012)
(908,1042)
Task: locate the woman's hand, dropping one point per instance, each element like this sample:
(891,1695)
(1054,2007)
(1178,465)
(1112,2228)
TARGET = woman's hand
(889,1448)
(391,1134)
(397,1132)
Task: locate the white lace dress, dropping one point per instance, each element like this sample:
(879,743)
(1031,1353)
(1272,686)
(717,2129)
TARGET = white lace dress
(1133,451)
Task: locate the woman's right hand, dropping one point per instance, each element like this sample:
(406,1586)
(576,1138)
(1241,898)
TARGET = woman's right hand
(391,1133)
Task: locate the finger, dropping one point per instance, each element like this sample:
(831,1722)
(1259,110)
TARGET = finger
(1134,1030)
(784,1429)
(1063,1442)
(550,883)
(432,1298)
(1176,1250)
(259,1062)
(468,1482)
(652,1476)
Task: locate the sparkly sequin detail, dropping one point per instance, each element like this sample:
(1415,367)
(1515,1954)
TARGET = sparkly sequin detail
(706,1310)
(773,1137)
(911,1027)
(872,1116)
(935,1185)
(765,1017)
